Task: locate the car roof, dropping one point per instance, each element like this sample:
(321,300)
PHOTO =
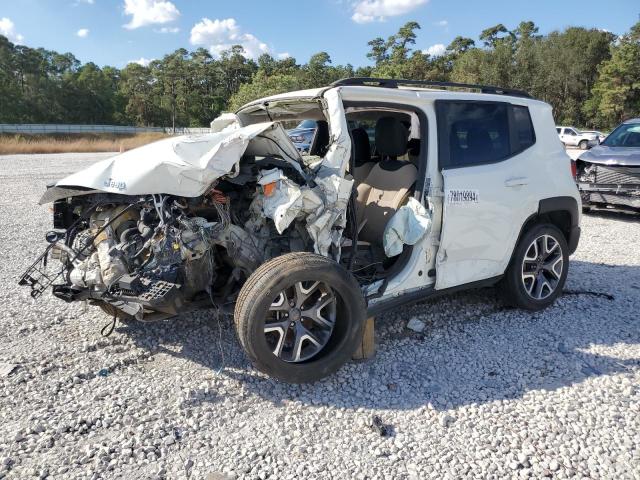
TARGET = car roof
(400,91)
(632,120)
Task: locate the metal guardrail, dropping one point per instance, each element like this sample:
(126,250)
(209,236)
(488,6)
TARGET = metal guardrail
(44,128)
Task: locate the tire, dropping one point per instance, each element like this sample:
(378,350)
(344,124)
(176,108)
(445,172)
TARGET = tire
(584,144)
(272,290)
(520,285)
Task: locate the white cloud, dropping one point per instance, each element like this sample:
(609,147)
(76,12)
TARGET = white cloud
(436,50)
(90,2)
(7,28)
(149,12)
(284,55)
(167,30)
(220,35)
(442,23)
(366,11)
(83,32)
(142,61)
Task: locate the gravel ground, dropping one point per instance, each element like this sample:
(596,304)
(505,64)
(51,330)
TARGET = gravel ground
(482,392)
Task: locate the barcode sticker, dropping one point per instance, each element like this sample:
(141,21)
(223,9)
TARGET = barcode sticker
(457,196)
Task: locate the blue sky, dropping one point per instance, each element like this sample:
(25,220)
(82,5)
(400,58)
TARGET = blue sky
(114,32)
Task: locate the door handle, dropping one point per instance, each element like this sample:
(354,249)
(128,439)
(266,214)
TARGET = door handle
(516,182)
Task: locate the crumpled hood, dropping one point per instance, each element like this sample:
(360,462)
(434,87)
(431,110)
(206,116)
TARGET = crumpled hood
(184,166)
(626,156)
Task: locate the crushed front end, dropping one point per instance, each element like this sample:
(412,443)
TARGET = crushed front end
(181,223)
(156,255)
(609,185)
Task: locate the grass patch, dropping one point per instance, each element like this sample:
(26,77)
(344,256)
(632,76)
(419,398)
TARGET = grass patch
(68,143)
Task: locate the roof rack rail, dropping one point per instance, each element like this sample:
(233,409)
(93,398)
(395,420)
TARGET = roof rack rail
(395,82)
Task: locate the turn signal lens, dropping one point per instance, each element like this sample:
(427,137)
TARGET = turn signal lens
(269,188)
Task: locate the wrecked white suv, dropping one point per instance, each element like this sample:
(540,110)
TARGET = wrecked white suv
(407,191)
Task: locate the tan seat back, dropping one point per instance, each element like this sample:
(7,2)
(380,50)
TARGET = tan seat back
(380,195)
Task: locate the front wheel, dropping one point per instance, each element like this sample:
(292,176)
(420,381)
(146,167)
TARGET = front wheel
(299,317)
(583,144)
(538,270)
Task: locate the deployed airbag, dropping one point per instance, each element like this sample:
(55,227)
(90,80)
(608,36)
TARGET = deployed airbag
(408,225)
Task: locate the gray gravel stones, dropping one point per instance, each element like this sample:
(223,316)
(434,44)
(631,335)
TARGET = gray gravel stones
(481,392)
(416,324)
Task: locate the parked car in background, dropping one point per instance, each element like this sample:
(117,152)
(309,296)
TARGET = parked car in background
(572,137)
(609,175)
(302,135)
(601,136)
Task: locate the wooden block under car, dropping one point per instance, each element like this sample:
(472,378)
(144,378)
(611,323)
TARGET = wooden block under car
(367,348)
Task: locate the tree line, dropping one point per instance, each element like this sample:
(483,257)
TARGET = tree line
(591,77)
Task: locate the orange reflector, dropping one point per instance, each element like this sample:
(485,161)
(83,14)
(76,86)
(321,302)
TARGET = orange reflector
(269,188)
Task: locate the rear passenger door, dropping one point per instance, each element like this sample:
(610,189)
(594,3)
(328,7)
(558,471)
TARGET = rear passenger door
(482,156)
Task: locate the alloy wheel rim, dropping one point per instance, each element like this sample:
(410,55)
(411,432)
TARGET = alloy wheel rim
(542,267)
(300,321)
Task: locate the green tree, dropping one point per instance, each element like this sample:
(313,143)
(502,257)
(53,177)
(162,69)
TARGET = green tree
(616,93)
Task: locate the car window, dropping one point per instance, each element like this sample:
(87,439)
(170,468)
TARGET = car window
(523,128)
(569,131)
(475,133)
(559,130)
(626,135)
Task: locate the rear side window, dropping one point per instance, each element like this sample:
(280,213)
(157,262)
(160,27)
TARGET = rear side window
(523,128)
(476,133)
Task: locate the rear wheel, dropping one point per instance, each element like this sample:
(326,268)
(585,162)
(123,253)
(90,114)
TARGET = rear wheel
(299,317)
(538,270)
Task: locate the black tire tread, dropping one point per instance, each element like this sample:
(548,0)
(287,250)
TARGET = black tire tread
(508,287)
(275,268)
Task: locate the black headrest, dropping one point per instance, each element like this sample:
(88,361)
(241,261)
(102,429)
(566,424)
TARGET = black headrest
(361,146)
(320,141)
(391,137)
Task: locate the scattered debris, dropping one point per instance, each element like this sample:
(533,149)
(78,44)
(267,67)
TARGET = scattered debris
(608,296)
(103,372)
(416,325)
(378,426)
(7,369)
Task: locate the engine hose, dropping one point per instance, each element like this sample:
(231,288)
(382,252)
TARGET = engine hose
(124,236)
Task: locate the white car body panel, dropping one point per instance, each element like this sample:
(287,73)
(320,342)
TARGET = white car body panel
(469,243)
(185,165)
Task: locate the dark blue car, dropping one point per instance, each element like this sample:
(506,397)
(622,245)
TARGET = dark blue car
(302,135)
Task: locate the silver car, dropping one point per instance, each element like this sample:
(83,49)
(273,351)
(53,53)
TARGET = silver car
(608,175)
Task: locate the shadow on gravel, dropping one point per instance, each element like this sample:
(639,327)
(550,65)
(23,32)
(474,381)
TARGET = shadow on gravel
(473,350)
(627,216)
